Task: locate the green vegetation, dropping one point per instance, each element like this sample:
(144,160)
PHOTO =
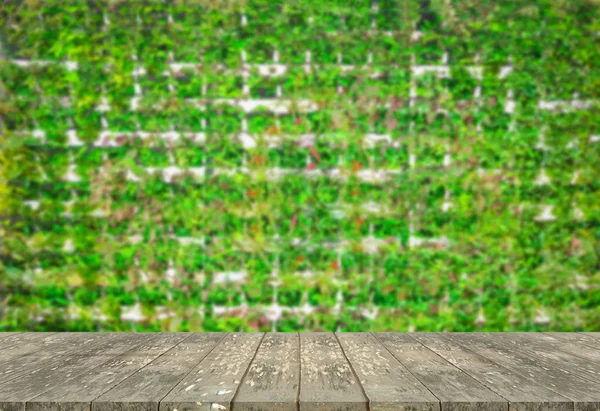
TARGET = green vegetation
(468,202)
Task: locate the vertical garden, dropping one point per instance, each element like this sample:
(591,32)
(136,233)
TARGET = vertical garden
(297,165)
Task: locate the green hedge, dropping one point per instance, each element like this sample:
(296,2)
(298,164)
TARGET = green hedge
(461,245)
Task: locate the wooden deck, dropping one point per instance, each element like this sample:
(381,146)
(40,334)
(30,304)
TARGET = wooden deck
(305,371)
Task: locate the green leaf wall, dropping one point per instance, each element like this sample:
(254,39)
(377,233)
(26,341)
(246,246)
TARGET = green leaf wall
(300,165)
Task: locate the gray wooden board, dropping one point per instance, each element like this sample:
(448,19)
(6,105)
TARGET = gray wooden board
(77,393)
(584,393)
(25,358)
(273,380)
(522,394)
(213,383)
(574,358)
(327,381)
(387,383)
(21,339)
(143,390)
(595,336)
(5,334)
(36,346)
(306,371)
(455,389)
(14,394)
(578,339)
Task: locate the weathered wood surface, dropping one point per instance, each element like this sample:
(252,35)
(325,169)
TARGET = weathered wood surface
(77,393)
(15,394)
(213,383)
(579,338)
(299,371)
(12,339)
(387,383)
(273,379)
(556,353)
(327,382)
(521,393)
(144,390)
(21,359)
(585,394)
(455,389)
(7,334)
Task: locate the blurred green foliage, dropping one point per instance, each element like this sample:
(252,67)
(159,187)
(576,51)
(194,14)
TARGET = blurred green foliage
(465,240)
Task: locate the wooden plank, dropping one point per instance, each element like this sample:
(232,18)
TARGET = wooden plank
(387,383)
(144,390)
(213,383)
(572,358)
(5,334)
(455,389)
(15,394)
(327,381)
(20,339)
(273,379)
(15,349)
(522,394)
(22,359)
(325,371)
(593,335)
(578,338)
(78,393)
(584,393)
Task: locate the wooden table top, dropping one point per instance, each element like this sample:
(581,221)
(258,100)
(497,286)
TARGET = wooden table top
(299,371)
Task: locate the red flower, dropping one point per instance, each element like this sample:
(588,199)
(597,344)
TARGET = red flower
(257,159)
(575,244)
(298,121)
(392,124)
(272,130)
(311,166)
(314,153)
(294,220)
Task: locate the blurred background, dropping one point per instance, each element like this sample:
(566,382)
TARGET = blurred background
(281,165)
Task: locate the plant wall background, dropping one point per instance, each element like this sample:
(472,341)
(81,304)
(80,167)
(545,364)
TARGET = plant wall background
(300,165)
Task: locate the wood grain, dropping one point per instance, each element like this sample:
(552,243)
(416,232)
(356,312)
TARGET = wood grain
(387,383)
(15,393)
(213,383)
(299,371)
(22,339)
(584,393)
(144,389)
(574,358)
(522,394)
(327,381)
(24,358)
(78,393)
(5,334)
(578,339)
(273,379)
(455,389)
